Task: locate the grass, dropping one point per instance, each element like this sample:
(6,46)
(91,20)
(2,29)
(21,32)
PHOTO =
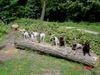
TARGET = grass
(33,63)
(84,25)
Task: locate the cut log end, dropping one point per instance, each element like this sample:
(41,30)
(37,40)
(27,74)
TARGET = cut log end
(97,62)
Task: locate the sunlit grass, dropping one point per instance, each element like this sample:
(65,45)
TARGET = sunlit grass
(32,63)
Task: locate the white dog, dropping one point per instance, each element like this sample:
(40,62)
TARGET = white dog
(42,37)
(54,40)
(24,33)
(35,35)
(77,46)
(39,36)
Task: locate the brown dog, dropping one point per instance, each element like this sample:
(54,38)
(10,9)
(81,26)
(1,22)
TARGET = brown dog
(61,41)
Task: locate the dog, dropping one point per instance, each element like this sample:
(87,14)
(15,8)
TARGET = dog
(86,48)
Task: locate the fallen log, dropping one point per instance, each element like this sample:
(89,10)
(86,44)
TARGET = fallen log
(64,52)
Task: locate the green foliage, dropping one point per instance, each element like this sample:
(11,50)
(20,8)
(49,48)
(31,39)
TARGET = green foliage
(3,30)
(56,10)
(34,8)
(71,35)
(11,10)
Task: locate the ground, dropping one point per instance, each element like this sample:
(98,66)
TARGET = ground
(32,63)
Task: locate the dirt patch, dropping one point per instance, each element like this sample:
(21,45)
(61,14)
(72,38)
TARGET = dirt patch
(7,54)
(9,50)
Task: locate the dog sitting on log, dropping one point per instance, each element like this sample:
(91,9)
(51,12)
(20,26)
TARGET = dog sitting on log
(61,41)
(86,48)
(54,40)
(42,37)
(24,33)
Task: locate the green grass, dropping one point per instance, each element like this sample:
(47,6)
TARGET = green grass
(84,25)
(33,63)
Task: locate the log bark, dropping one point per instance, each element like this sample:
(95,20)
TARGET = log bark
(64,52)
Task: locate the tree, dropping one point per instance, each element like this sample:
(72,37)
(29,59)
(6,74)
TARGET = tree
(54,10)
(43,9)
(34,9)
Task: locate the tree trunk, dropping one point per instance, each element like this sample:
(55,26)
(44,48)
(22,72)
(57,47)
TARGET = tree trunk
(63,52)
(43,10)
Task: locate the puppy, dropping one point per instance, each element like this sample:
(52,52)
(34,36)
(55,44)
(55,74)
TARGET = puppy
(76,46)
(54,40)
(86,48)
(61,41)
(42,37)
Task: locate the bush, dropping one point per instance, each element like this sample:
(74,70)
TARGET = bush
(71,35)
